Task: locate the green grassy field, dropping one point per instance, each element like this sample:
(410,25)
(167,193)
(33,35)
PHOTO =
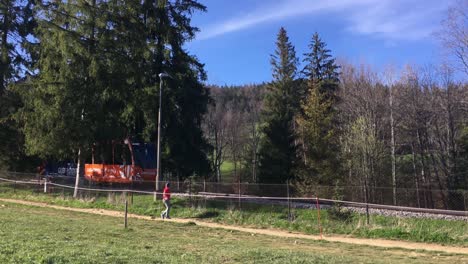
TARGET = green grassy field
(264,216)
(227,171)
(43,235)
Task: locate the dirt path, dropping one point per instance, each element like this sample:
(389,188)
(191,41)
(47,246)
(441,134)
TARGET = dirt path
(278,233)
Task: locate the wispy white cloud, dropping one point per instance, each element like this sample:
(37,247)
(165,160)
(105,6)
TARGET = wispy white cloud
(394,20)
(389,19)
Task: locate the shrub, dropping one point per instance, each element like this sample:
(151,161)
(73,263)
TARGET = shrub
(338,213)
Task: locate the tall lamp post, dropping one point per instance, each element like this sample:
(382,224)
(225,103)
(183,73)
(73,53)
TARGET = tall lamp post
(158,161)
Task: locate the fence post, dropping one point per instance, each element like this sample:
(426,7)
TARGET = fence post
(126,211)
(45,185)
(367,212)
(366,199)
(89,190)
(178,182)
(155,190)
(190,191)
(464,201)
(239,194)
(289,201)
(318,216)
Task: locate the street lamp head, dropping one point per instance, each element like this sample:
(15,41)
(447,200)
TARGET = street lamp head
(164,75)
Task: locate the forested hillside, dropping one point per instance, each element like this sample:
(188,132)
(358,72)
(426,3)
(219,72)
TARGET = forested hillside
(78,77)
(346,125)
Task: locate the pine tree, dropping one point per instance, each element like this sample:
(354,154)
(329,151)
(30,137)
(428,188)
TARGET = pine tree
(63,110)
(320,65)
(98,80)
(166,29)
(277,155)
(318,120)
(16,24)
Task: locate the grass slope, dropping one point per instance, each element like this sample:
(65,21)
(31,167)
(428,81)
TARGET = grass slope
(42,235)
(227,171)
(268,216)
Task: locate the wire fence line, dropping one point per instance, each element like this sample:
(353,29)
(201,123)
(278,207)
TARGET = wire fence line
(410,199)
(262,206)
(48,187)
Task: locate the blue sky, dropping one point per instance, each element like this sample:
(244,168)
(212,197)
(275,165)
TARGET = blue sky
(237,37)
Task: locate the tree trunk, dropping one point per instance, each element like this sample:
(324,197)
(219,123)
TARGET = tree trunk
(392,131)
(304,147)
(439,182)
(254,151)
(216,156)
(425,178)
(254,164)
(78,172)
(435,169)
(235,167)
(415,175)
(218,171)
(4,59)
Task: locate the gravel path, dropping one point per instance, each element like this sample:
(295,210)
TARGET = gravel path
(405,214)
(361,210)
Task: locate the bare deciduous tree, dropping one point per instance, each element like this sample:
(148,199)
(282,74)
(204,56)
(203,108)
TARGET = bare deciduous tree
(215,127)
(454,34)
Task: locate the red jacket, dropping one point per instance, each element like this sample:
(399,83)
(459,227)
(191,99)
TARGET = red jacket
(166,193)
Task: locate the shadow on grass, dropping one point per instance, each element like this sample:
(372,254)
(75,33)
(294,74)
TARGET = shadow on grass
(208,214)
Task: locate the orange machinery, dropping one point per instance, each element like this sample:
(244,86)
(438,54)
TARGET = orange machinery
(141,169)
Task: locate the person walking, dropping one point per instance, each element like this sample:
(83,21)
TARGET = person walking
(166,201)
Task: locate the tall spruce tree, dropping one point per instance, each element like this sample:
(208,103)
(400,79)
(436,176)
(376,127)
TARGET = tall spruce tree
(318,120)
(167,27)
(62,108)
(98,80)
(277,155)
(16,25)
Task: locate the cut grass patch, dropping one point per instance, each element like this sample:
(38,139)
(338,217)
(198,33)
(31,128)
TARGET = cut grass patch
(44,235)
(273,217)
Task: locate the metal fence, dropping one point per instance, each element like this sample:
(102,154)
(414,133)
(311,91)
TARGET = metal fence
(425,198)
(264,205)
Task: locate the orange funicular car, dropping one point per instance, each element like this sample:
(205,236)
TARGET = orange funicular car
(142,168)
